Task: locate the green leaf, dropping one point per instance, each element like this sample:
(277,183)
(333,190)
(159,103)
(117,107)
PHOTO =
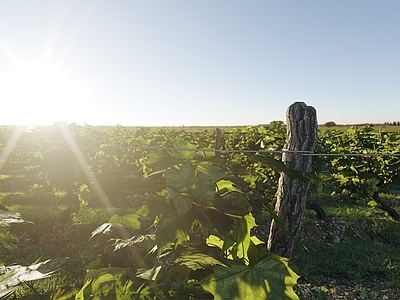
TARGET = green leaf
(270,278)
(242,235)
(113,284)
(181,177)
(256,250)
(184,154)
(150,274)
(105,229)
(131,220)
(182,202)
(194,292)
(226,186)
(197,180)
(235,204)
(218,222)
(64,293)
(278,165)
(198,256)
(172,230)
(162,160)
(147,242)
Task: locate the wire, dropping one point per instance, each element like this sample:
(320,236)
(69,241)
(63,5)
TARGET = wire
(304,153)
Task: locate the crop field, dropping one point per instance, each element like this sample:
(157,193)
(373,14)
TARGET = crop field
(160,213)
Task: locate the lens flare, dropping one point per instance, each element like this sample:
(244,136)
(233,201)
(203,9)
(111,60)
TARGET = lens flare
(84,165)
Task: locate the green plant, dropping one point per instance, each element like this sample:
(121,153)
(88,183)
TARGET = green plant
(13,276)
(7,239)
(368,174)
(190,240)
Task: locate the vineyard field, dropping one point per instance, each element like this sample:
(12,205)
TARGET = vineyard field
(179,190)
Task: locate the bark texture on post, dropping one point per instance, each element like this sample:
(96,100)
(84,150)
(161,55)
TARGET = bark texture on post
(302,127)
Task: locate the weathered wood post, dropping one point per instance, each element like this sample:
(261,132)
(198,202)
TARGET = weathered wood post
(302,127)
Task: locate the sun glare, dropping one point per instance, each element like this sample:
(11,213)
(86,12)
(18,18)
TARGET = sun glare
(40,94)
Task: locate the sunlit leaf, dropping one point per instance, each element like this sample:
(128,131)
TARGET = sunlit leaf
(270,278)
(227,186)
(113,284)
(147,242)
(197,256)
(150,274)
(131,220)
(12,276)
(106,228)
(8,218)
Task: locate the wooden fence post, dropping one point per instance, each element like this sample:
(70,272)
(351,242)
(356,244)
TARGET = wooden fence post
(302,127)
(218,141)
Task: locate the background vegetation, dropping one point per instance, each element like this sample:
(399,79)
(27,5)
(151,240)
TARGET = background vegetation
(68,180)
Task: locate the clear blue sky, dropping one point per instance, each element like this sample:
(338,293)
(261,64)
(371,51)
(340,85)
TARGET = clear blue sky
(155,63)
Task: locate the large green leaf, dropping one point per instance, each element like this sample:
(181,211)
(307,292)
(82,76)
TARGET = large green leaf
(197,180)
(270,278)
(114,284)
(161,160)
(241,234)
(181,177)
(234,204)
(237,241)
(279,166)
(185,151)
(131,220)
(219,223)
(198,256)
(172,230)
(182,202)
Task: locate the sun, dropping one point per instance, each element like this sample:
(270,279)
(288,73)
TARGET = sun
(40,94)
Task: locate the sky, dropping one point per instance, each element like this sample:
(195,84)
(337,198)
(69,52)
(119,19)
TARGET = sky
(198,63)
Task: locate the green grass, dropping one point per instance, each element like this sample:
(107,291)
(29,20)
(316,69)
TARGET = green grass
(369,253)
(371,263)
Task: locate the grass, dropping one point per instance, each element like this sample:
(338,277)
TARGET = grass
(374,264)
(368,253)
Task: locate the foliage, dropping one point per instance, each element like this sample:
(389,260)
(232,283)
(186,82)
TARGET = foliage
(366,175)
(13,276)
(190,240)
(7,240)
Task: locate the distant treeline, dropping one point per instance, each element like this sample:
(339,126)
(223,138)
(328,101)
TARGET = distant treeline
(392,123)
(331,124)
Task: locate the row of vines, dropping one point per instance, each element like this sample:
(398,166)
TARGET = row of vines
(190,235)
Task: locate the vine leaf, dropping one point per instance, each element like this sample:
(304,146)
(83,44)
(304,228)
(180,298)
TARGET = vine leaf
(7,218)
(182,202)
(12,276)
(113,283)
(270,278)
(197,256)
